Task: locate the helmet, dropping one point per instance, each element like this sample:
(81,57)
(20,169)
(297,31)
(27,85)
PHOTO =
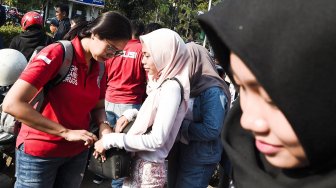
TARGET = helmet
(12,63)
(31,18)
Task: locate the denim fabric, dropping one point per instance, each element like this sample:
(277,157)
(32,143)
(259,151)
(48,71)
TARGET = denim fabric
(113,112)
(203,133)
(40,172)
(198,159)
(195,176)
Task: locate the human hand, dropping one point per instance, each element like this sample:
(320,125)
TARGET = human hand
(99,150)
(104,129)
(121,124)
(80,135)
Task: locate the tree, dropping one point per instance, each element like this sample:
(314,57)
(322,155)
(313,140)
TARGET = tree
(179,15)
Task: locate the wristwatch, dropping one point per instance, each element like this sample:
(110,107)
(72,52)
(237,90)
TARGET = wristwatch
(106,122)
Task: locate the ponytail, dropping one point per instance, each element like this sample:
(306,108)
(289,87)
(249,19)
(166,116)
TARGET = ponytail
(109,25)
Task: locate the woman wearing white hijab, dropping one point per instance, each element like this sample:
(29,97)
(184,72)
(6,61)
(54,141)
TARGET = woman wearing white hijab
(165,56)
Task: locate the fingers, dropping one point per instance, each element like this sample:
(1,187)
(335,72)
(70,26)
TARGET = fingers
(121,126)
(96,154)
(101,155)
(89,138)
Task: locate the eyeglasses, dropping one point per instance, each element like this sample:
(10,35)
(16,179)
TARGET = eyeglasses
(113,52)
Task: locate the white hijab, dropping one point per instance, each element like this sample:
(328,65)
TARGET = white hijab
(171,58)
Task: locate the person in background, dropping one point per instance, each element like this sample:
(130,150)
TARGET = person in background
(280,132)
(2,22)
(152,27)
(163,110)
(76,22)
(126,84)
(32,35)
(77,19)
(53,26)
(199,147)
(62,13)
(52,145)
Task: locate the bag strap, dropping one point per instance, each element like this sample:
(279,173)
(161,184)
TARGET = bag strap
(101,71)
(66,65)
(36,51)
(178,81)
(62,72)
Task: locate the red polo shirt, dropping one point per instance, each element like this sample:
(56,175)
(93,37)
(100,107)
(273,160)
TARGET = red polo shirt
(126,80)
(68,103)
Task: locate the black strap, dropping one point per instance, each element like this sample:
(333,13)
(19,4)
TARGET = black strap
(178,81)
(101,71)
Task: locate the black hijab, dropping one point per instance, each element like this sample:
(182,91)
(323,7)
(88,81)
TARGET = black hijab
(290,46)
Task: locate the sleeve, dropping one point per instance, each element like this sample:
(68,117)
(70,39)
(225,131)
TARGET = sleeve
(62,29)
(12,44)
(212,109)
(44,66)
(130,114)
(168,107)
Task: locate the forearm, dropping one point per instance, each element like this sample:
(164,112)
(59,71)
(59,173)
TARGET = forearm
(98,116)
(26,114)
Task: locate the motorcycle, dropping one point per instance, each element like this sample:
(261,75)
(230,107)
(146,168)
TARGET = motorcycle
(7,160)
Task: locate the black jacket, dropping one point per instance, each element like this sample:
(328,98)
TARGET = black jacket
(63,28)
(27,41)
(289,46)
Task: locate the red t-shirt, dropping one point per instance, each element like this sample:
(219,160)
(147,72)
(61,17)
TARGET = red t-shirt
(126,82)
(68,103)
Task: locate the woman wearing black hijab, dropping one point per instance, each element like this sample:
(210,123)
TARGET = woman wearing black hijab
(281,132)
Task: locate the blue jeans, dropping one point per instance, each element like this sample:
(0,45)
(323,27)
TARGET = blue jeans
(113,112)
(194,175)
(49,172)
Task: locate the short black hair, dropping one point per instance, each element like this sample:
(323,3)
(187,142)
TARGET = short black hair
(63,8)
(152,27)
(78,19)
(138,28)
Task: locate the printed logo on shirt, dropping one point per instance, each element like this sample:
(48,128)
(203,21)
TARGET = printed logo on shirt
(44,58)
(131,55)
(72,76)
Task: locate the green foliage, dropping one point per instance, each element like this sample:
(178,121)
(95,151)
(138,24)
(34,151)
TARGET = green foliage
(8,32)
(179,15)
(10,2)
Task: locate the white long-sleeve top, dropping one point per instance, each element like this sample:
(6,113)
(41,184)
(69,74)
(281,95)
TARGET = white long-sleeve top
(155,146)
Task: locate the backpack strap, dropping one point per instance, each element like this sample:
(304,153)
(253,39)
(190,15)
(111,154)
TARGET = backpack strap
(101,71)
(66,65)
(36,51)
(62,72)
(178,81)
